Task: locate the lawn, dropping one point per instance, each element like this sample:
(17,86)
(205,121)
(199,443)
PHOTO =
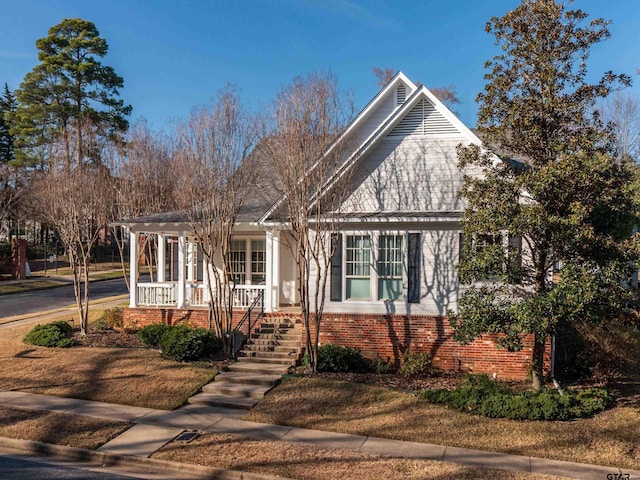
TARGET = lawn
(611,438)
(61,429)
(130,376)
(294,460)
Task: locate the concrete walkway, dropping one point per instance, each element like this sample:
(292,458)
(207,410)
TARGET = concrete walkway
(152,429)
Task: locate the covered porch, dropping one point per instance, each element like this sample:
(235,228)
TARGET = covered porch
(178,276)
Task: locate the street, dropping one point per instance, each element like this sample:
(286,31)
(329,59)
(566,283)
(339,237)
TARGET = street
(41,300)
(18,467)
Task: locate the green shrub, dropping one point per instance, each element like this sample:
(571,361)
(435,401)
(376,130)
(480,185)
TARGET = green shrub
(336,358)
(491,399)
(100,325)
(183,343)
(379,365)
(152,334)
(54,334)
(415,364)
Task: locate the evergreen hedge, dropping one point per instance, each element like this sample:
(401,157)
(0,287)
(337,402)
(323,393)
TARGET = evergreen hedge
(481,396)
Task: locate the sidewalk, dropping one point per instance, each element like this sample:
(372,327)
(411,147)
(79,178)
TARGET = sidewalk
(152,429)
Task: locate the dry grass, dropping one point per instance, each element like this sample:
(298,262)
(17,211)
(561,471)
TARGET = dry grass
(127,376)
(70,430)
(611,438)
(294,460)
(27,286)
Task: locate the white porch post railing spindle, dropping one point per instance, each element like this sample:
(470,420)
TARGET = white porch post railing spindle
(243,295)
(157,294)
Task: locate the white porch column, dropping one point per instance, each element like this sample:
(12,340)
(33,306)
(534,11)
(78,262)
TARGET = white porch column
(268,295)
(191,260)
(275,270)
(162,257)
(182,256)
(133,269)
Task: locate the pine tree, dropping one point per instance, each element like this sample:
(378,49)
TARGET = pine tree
(69,92)
(7,108)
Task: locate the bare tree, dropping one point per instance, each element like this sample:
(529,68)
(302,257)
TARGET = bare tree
(11,190)
(622,111)
(78,202)
(145,181)
(308,117)
(383,75)
(213,186)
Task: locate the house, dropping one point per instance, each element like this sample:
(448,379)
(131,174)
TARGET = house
(393,277)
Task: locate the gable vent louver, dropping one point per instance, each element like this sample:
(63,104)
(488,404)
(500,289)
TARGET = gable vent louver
(401,94)
(423,119)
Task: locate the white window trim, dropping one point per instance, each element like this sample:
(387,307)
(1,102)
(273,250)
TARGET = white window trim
(248,272)
(373,267)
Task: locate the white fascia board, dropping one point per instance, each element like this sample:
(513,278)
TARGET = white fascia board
(394,220)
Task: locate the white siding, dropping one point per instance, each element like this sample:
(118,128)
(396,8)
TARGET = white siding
(410,174)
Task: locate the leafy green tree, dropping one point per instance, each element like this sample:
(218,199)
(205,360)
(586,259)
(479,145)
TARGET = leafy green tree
(69,92)
(566,203)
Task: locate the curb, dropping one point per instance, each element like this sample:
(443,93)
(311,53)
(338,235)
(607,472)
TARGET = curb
(106,459)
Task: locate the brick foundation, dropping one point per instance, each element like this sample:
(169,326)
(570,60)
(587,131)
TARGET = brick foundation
(142,316)
(388,336)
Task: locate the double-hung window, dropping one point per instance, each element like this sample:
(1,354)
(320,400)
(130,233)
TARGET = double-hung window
(258,263)
(358,267)
(238,262)
(389,267)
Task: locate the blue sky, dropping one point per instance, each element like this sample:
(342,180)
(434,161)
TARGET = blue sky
(176,54)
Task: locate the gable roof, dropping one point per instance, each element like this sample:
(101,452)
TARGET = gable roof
(422,98)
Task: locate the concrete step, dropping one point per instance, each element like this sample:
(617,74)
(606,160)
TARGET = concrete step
(273,342)
(280,325)
(281,355)
(274,336)
(261,360)
(237,390)
(240,377)
(284,349)
(260,368)
(213,400)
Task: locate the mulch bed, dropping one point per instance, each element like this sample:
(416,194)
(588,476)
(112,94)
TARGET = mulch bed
(119,339)
(109,339)
(401,382)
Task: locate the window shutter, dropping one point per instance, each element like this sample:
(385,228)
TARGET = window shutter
(336,268)
(515,259)
(413,268)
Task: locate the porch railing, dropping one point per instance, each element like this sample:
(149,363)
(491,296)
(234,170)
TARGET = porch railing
(197,295)
(165,294)
(245,295)
(157,294)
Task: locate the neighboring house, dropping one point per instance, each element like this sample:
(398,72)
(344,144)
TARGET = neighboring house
(394,274)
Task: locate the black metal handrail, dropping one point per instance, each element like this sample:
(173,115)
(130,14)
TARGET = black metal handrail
(238,338)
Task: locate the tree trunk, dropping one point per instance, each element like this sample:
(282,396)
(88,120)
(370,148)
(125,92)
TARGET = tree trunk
(537,362)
